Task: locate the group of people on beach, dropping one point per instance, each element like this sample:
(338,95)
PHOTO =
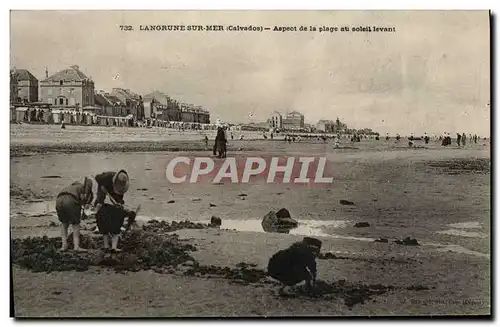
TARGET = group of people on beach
(109,206)
(461,139)
(289,266)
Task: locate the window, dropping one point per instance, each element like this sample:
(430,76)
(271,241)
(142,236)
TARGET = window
(49,100)
(61,82)
(49,92)
(72,91)
(61,101)
(66,101)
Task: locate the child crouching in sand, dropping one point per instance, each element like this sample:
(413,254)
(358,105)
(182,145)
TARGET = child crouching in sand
(296,264)
(69,209)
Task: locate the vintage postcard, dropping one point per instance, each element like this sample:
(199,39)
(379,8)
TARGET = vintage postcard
(250,163)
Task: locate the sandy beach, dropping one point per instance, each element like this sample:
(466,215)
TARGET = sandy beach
(438,195)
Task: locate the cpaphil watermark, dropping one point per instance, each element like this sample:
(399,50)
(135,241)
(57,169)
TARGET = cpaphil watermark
(243,169)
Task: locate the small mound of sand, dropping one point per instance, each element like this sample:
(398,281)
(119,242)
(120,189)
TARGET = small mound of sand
(166,227)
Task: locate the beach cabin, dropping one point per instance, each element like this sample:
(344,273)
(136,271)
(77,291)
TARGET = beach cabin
(21,114)
(56,116)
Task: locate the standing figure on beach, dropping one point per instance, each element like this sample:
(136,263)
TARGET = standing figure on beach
(296,264)
(220,143)
(69,207)
(206,142)
(459,137)
(110,216)
(464,138)
(426,138)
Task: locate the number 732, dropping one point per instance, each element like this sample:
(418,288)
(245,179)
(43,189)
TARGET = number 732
(126,27)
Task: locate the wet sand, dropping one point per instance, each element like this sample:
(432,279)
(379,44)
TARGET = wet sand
(397,190)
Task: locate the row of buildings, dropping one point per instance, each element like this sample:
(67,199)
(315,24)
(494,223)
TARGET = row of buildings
(70,89)
(294,121)
(161,106)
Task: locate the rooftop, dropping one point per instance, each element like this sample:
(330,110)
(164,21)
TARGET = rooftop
(69,74)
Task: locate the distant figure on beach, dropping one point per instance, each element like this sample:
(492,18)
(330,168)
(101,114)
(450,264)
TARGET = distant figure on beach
(112,186)
(220,145)
(296,264)
(337,142)
(69,207)
(398,137)
(63,126)
(459,137)
(241,137)
(232,136)
(475,138)
(387,136)
(272,136)
(464,138)
(206,142)
(426,138)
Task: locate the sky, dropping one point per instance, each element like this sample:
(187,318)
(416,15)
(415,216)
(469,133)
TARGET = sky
(432,75)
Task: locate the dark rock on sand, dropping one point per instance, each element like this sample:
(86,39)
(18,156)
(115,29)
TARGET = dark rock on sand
(215,221)
(362,224)
(243,194)
(382,240)
(407,241)
(51,176)
(272,223)
(283,213)
(142,189)
(346,203)
(171,201)
(212,205)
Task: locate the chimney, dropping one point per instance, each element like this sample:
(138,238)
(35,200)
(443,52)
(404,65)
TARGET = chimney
(75,67)
(46,72)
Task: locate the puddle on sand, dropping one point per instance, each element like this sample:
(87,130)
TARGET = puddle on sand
(466,225)
(456,248)
(457,232)
(35,209)
(306,227)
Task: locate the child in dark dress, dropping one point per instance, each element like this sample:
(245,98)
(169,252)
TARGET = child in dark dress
(110,216)
(296,264)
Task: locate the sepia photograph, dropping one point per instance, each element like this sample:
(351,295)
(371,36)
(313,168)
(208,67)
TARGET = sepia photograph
(250,163)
